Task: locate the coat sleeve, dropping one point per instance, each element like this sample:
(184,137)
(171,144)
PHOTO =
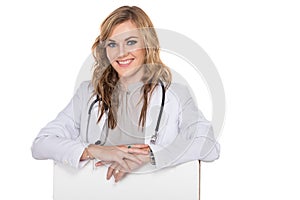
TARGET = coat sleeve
(195,139)
(60,139)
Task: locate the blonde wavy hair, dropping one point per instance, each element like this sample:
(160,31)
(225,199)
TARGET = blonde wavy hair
(105,78)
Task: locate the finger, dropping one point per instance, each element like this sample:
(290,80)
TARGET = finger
(117,171)
(110,170)
(133,145)
(99,164)
(138,146)
(124,165)
(102,163)
(133,158)
(119,176)
(109,173)
(138,151)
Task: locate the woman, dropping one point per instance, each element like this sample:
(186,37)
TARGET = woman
(131,113)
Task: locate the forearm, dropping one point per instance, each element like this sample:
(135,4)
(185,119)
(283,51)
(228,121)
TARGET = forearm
(63,150)
(196,143)
(185,151)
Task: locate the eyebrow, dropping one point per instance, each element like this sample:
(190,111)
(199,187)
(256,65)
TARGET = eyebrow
(130,37)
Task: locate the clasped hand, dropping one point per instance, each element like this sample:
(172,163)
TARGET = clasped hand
(135,156)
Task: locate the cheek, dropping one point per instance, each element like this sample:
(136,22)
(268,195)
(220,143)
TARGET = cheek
(140,56)
(111,59)
(111,55)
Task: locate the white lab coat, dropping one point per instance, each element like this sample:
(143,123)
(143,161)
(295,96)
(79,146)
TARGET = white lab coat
(184,133)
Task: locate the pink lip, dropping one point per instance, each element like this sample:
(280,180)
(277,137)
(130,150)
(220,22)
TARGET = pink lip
(125,63)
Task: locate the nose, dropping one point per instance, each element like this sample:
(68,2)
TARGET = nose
(122,51)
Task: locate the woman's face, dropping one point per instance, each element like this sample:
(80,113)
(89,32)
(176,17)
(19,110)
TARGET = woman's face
(125,51)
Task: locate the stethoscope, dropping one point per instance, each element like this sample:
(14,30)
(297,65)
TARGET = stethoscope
(153,137)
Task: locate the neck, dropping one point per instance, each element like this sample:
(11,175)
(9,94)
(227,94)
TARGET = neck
(133,78)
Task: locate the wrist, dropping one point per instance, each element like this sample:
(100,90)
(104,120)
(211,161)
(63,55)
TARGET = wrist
(90,152)
(86,155)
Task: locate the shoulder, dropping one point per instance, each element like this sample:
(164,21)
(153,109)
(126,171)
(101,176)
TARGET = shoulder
(85,86)
(85,89)
(181,92)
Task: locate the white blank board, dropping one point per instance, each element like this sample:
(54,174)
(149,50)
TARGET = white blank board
(175,183)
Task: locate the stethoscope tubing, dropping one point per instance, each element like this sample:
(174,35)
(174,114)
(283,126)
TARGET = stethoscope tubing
(153,137)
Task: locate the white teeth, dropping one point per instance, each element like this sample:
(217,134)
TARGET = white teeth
(124,62)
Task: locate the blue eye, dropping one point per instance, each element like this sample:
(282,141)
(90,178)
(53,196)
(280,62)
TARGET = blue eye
(131,42)
(112,44)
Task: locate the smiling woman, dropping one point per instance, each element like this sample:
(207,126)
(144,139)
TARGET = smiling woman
(125,51)
(115,117)
(128,43)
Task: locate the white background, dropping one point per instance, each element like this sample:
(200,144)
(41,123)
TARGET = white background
(255,46)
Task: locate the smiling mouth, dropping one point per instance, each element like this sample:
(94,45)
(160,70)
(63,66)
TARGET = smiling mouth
(125,63)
